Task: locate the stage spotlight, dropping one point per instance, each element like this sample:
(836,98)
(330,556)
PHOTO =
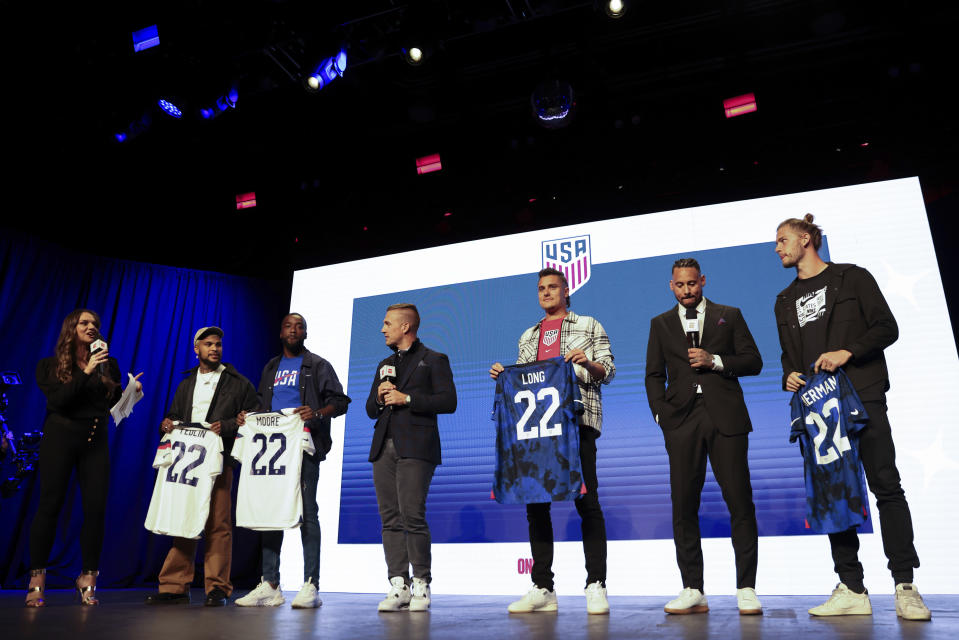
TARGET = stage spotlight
(428,164)
(553,104)
(133,129)
(740,105)
(326,72)
(246,200)
(169,108)
(224,102)
(146,38)
(615,8)
(414,55)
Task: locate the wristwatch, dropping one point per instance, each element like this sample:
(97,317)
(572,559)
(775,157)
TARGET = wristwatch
(408,400)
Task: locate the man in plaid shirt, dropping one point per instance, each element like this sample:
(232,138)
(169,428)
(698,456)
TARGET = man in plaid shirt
(582,341)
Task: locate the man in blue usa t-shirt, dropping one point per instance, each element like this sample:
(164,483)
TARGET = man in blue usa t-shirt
(300,380)
(582,341)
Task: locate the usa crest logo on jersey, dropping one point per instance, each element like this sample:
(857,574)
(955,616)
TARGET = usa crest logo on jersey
(572,257)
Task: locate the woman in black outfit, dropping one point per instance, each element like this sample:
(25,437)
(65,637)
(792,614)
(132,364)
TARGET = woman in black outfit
(80,393)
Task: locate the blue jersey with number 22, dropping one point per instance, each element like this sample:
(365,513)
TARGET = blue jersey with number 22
(537,433)
(826,419)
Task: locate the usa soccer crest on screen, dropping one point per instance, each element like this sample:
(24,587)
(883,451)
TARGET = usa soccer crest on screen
(572,257)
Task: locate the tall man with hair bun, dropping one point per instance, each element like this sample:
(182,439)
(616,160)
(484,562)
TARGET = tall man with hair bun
(582,341)
(834,316)
(409,389)
(692,384)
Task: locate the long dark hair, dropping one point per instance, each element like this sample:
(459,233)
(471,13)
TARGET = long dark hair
(66,350)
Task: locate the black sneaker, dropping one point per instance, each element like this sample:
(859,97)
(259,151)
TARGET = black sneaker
(216,598)
(168,598)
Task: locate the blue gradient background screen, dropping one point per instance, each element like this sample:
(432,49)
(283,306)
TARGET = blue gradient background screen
(478,323)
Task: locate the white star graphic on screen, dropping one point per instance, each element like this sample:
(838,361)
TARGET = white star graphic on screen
(932,460)
(903,284)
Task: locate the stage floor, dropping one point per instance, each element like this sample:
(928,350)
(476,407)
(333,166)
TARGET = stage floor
(122,616)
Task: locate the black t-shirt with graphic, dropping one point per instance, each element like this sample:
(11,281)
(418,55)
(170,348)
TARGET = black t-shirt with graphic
(810,310)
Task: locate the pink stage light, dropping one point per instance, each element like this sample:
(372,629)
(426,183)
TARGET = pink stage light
(428,164)
(740,105)
(246,200)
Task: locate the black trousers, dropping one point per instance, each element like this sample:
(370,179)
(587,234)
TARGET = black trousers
(878,454)
(688,447)
(67,447)
(593,523)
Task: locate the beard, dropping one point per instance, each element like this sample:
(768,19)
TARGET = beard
(789,262)
(209,364)
(295,345)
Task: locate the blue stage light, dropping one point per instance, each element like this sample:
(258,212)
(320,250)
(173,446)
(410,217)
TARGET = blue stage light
(227,101)
(146,38)
(224,102)
(170,108)
(327,71)
(120,137)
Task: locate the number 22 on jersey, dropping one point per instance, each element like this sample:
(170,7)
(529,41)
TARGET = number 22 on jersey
(544,429)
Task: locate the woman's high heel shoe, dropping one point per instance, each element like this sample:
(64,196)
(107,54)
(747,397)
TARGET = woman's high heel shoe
(86,594)
(35,593)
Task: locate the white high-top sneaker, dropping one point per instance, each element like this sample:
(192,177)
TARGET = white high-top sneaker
(398,597)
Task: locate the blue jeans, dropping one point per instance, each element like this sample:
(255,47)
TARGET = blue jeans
(309,530)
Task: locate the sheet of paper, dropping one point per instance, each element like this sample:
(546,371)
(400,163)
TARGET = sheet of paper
(124,406)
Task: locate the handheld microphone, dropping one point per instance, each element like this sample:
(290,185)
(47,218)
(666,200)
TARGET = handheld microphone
(98,345)
(388,373)
(692,328)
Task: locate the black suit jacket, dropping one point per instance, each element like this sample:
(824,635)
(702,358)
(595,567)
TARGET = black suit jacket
(671,382)
(857,319)
(428,380)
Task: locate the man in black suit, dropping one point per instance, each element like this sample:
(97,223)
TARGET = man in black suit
(832,316)
(409,389)
(694,393)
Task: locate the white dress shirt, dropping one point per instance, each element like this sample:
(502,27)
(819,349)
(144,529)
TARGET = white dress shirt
(701,317)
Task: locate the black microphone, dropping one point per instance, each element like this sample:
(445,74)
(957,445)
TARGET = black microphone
(98,345)
(692,328)
(388,374)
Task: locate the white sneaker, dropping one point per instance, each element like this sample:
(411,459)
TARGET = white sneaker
(398,597)
(536,599)
(263,596)
(596,601)
(748,603)
(307,598)
(909,604)
(420,600)
(844,602)
(689,601)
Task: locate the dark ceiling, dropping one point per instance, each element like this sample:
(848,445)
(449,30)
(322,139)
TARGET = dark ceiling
(847,92)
